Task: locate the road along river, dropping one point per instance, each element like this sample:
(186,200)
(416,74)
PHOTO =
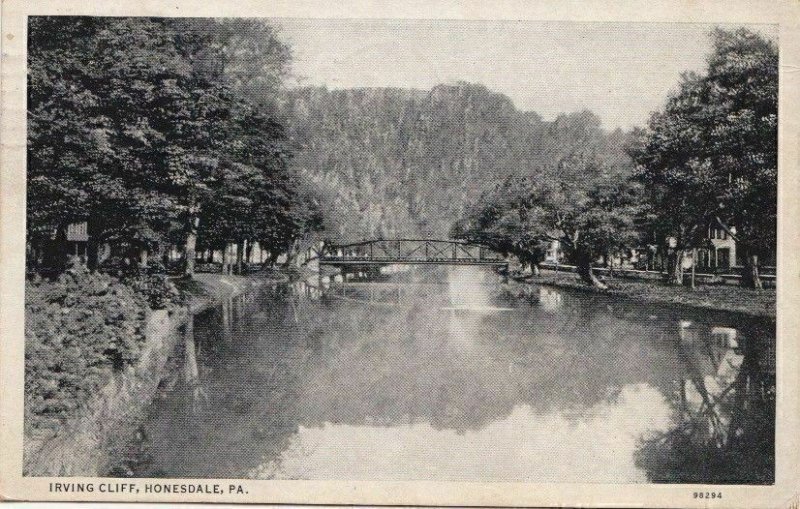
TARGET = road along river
(453,374)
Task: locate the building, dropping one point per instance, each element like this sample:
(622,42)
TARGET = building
(721,253)
(51,246)
(76,238)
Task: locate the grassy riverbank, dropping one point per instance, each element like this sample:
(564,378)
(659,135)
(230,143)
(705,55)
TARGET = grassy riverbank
(719,298)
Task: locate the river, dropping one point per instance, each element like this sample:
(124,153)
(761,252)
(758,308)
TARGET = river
(454,374)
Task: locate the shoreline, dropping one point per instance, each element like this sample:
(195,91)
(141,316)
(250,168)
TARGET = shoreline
(730,299)
(80,445)
(205,290)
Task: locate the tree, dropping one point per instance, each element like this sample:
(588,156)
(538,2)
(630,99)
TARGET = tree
(255,197)
(679,201)
(585,205)
(125,126)
(133,121)
(711,155)
(252,59)
(237,67)
(500,220)
(95,108)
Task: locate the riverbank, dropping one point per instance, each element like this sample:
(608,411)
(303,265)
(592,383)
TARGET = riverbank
(206,290)
(78,445)
(718,298)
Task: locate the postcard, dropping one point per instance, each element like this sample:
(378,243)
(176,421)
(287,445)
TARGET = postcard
(401,253)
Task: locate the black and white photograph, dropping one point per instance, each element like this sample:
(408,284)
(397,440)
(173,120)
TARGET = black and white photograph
(389,249)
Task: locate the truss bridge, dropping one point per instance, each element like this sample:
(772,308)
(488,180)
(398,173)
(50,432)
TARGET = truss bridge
(407,252)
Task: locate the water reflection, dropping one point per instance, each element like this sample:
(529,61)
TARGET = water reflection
(723,431)
(448,375)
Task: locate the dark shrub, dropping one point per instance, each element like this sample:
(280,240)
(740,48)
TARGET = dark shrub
(156,267)
(156,288)
(79,329)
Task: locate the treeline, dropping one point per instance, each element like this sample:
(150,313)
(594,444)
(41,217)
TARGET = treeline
(389,163)
(160,132)
(708,159)
(170,132)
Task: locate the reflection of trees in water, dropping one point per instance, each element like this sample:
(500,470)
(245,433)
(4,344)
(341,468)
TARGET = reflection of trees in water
(198,393)
(725,434)
(288,357)
(573,360)
(724,398)
(233,402)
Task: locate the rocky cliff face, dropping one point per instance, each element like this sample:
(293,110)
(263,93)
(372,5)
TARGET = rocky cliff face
(393,162)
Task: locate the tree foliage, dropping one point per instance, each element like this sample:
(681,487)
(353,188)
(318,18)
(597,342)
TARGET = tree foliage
(586,205)
(140,126)
(397,162)
(710,156)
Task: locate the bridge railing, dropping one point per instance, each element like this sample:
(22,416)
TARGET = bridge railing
(409,250)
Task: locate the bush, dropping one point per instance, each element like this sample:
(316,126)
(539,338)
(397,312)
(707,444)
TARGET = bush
(79,329)
(156,288)
(156,266)
(118,266)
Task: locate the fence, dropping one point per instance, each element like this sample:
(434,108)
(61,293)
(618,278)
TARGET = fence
(700,277)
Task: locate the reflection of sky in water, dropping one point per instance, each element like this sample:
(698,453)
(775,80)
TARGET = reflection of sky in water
(520,446)
(450,375)
(467,288)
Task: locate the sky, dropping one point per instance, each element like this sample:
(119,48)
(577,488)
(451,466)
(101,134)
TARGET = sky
(620,71)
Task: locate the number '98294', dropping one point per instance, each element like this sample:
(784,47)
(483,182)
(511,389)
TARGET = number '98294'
(708,494)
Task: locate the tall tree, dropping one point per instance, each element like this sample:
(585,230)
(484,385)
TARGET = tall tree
(132,121)
(711,155)
(238,65)
(255,195)
(96,106)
